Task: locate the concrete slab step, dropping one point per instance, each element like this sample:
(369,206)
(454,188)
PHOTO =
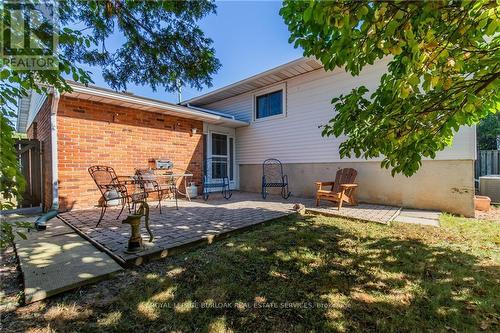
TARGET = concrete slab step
(58,259)
(424,214)
(416,220)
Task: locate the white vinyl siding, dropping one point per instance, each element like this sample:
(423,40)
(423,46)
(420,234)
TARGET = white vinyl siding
(241,106)
(36,102)
(297,138)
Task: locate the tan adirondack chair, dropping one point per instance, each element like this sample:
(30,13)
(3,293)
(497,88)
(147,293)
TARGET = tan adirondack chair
(342,189)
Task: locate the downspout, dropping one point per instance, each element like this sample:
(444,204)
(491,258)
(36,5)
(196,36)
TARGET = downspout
(41,222)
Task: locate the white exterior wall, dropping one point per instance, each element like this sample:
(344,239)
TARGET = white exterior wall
(296,138)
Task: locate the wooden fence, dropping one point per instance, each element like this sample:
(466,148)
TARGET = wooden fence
(487,163)
(28,152)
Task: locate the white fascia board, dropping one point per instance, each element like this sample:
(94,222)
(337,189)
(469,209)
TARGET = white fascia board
(182,110)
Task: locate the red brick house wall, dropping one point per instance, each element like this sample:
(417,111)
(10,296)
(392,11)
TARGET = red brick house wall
(95,133)
(40,130)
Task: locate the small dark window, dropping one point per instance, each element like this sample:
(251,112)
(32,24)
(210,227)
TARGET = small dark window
(219,167)
(269,104)
(219,144)
(205,146)
(231,159)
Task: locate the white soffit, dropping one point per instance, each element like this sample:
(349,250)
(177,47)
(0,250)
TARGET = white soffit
(264,79)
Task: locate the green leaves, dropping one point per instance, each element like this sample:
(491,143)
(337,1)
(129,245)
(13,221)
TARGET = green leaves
(391,27)
(488,131)
(444,71)
(8,231)
(308,14)
(4,74)
(163,44)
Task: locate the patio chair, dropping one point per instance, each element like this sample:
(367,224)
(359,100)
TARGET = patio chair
(215,176)
(342,189)
(113,188)
(148,182)
(272,176)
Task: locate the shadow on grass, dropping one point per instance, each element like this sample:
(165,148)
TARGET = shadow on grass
(308,274)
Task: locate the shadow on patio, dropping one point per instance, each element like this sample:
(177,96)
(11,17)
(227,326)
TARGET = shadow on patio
(195,222)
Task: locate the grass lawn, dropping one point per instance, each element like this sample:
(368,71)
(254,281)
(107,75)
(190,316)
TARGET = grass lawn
(299,274)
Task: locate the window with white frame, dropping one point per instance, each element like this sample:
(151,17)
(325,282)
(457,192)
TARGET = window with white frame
(269,104)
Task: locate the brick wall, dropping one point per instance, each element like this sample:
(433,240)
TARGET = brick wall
(40,130)
(93,133)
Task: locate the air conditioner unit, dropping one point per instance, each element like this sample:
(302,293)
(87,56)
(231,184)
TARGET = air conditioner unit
(490,187)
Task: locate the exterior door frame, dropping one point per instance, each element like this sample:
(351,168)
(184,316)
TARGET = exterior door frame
(234,182)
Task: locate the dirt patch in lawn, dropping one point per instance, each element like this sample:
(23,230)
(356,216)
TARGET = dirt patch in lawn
(10,281)
(492,215)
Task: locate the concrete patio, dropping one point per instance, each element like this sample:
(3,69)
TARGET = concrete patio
(57,260)
(198,222)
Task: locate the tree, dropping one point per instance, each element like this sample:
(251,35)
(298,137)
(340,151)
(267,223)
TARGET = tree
(443,73)
(162,47)
(12,183)
(488,132)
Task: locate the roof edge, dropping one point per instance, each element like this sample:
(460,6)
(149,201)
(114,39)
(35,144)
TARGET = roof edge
(243,81)
(129,98)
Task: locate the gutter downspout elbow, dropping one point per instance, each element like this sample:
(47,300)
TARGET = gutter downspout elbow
(40,223)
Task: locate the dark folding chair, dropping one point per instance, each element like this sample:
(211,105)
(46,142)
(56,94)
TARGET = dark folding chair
(272,176)
(113,188)
(215,176)
(149,183)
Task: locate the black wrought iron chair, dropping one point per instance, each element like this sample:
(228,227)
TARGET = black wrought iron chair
(113,188)
(272,176)
(215,176)
(149,182)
